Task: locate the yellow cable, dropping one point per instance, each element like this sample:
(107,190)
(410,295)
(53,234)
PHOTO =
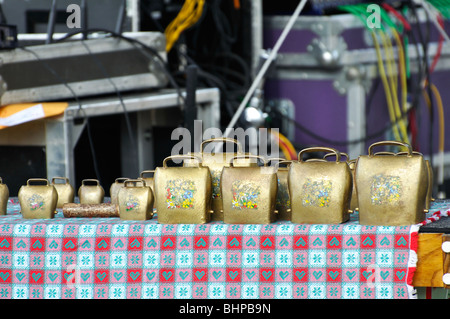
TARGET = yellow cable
(281,145)
(402,69)
(385,85)
(393,83)
(403,83)
(441,116)
(288,143)
(189,14)
(441,113)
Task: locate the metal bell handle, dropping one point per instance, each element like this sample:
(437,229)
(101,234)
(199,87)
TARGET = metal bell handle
(134,182)
(278,159)
(147,172)
(284,161)
(120,179)
(316,160)
(171,158)
(393,143)
(223,140)
(65,179)
(386,153)
(342,153)
(320,149)
(37,180)
(406,153)
(83,182)
(248,156)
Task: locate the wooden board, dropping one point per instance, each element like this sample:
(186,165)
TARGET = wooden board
(430,262)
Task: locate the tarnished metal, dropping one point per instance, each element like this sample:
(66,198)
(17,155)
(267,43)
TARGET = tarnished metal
(429,197)
(103,210)
(249,193)
(91,192)
(283,202)
(135,200)
(320,190)
(183,194)
(354,198)
(216,162)
(391,189)
(352,166)
(4,196)
(66,193)
(38,200)
(115,187)
(149,181)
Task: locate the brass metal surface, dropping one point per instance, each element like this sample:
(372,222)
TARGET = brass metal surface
(183,194)
(115,187)
(249,193)
(320,191)
(149,181)
(283,201)
(4,196)
(38,200)
(429,197)
(135,200)
(216,162)
(354,198)
(391,189)
(91,192)
(66,193)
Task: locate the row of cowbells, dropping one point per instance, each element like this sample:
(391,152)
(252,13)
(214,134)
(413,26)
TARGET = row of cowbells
(385,188)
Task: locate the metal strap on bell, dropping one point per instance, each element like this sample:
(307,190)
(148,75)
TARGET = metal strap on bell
(91,192)
(429,197)
(320,190)
(135,200)
(283,201)
(66,193)
(148,180)
(115,187)
(249,193)
(38,200)
(216,162)
(352,166)
(391,189)
(183,194)
(4,196)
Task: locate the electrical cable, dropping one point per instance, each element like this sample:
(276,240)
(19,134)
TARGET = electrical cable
(289,145)
(325,140)
(425,78)
(283,148)
(143,48)
(429,10)
(265,66)
(388,75)
(116,90)
(285,145)
(360,13)
(401,18)
(80,109)
(441,147)
(190,13)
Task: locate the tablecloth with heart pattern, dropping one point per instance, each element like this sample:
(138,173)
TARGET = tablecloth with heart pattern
(89,258)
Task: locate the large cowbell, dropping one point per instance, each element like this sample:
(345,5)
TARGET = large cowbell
(183,194)
(320,190)
(249,193)
(392,189)
(216,162)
